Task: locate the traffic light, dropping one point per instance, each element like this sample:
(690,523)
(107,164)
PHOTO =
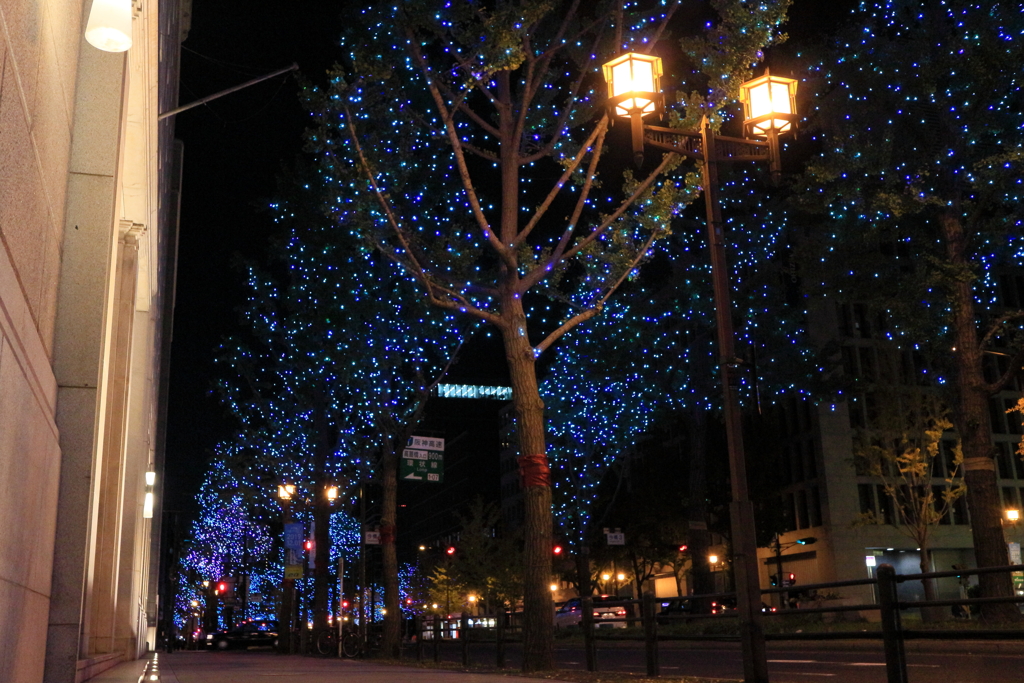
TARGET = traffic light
(225,589)
(775,580)
(450,551)
(683,548)
(557,550)
(791,579)
(810,540)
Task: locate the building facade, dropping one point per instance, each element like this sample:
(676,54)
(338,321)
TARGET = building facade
(87,244)
(825,495)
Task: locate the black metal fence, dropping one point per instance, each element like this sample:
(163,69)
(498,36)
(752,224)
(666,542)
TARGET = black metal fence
(504,627)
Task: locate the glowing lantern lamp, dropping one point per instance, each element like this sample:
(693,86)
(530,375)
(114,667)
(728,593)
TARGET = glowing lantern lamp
(769,108)
(769,104)
(634,83)
(634,91)
(110,25)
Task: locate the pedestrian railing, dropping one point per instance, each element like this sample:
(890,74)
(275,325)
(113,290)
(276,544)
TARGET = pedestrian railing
(504,627)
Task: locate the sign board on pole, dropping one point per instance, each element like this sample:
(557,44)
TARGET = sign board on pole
(1016,577)
(293,536)
(423,460)
(429,443)
(371,537)
(615,538)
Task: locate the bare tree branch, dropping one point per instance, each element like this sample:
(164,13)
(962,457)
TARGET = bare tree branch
(1011,371)
(668,159)
(504,253)
(557,187)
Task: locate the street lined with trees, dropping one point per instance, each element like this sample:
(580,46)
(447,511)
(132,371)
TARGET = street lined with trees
(464,172)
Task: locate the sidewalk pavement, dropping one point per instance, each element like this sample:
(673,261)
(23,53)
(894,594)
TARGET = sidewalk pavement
(253,667)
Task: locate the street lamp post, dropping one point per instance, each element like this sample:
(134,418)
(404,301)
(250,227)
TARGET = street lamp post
(286,492)
(769,109)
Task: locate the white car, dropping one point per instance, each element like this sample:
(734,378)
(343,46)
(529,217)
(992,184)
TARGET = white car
(605,616)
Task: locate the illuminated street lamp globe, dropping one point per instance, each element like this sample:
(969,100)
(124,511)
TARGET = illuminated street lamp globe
(769,104)
(634,84)
(634,91)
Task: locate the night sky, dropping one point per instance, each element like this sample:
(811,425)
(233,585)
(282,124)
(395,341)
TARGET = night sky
(235,148)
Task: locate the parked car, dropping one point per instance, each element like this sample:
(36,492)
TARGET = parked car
(670,609)
(571,613)
(248,634)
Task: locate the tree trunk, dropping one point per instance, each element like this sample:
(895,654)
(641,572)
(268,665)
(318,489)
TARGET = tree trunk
(697,539)
(583,570)
(971,417)
(321,517)
(391,642)
(929,614)
(538,630)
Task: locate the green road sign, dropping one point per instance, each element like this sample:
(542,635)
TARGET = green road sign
(421,465)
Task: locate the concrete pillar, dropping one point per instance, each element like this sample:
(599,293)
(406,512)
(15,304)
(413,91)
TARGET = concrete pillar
(82,340)
(102,600)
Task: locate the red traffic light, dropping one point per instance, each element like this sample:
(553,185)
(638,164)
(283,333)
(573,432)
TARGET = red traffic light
(683,548)
(451,550)
(222,587)
(309,545)
(344,604)
(557,550)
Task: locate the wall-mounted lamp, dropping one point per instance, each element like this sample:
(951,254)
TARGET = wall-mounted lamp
(148,501)
(110,25)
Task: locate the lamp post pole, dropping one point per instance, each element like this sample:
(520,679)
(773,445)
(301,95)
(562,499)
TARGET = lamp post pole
(741,511)
(770,108)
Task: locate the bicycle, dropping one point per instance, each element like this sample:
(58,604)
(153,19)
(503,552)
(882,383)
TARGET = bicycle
(352,644)
(327,642)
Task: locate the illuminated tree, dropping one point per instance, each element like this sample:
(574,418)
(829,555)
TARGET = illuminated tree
(341,359)
(467,139)
(922,130)
(649,361)
(231,538)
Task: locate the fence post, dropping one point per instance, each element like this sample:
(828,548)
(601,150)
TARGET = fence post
(417,625)
(649,620)
(500,636)
(892,634)
(437,638)
(464,637)
(587,623)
